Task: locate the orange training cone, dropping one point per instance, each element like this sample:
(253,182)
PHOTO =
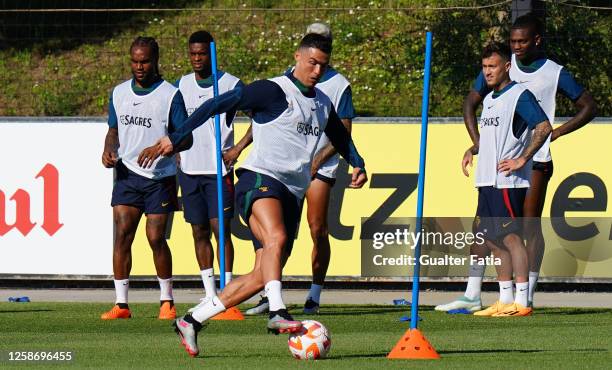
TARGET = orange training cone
(413,345)
(231,313)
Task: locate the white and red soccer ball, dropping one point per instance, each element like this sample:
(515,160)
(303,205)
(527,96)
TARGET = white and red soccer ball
(310,343)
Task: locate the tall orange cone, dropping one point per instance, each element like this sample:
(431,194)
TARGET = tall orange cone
(231,313)
(413,345)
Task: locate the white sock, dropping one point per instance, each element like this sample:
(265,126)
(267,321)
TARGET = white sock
(473,287)
(533,283)
(273,292)
(210,309)
(228,277)
(165,287)
(315,292)
(208,278)
(521,293)
(121,290)
(505,292)
(472,291)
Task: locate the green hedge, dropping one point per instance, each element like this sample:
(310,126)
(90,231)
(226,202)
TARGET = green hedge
(379,49)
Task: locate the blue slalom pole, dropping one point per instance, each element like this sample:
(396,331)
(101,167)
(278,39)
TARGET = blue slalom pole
(213,58)
(419,221)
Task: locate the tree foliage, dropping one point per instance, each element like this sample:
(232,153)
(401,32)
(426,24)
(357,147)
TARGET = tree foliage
(378,46)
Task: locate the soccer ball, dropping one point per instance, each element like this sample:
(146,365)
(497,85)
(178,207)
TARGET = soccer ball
(312,342)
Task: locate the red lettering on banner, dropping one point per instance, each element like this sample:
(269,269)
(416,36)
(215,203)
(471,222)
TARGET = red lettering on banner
(23,224)
(22,219)
(50,176)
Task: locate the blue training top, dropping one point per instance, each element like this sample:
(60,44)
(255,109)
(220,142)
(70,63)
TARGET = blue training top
(177,115)
(267,101)
(345,108)
(567,85)
(207,83)
(527,113)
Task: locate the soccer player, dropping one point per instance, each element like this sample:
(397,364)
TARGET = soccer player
(289,116)
(544,78)
(198,166)
(140,111)
(324,167)
(513,127)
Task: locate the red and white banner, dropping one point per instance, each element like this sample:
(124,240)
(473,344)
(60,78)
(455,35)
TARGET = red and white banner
(55,214)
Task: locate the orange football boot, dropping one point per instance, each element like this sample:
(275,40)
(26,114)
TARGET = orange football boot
(515,309)
(116,313)
(167,311)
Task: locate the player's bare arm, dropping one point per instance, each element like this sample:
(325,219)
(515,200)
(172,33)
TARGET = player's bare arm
(359,178)
(538,137)
(231,155)
(163,147)
(342,141)
(470,104)
(587,109)
(321,157)
(468,158)
(328,151)
(111,144)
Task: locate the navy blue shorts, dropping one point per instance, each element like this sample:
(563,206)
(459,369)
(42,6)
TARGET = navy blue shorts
(252,186)
(500,212)
(151,196)
(546,168)
(330,180)
(199,196)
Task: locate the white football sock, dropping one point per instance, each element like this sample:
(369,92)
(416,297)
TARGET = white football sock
(315,292)
(472,291)
(228,277)
(208,278)
(273,292)
(473,287)
(121,290)
(505,292)
(533,283)
(165,287)
(208,310)
(521,293)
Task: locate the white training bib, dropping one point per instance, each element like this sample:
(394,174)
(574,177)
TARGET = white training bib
(201,158)
(142,120)
(333,88)
(284,148)
(543,84)
(497,141)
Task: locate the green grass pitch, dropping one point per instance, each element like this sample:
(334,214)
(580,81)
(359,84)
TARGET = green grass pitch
(361,338)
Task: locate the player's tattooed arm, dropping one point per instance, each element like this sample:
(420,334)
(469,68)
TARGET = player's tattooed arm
(111,145)
(343,142)
(538,137)
(587,110)
(231,155)
(321,157)
(470,104)
(328,151)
